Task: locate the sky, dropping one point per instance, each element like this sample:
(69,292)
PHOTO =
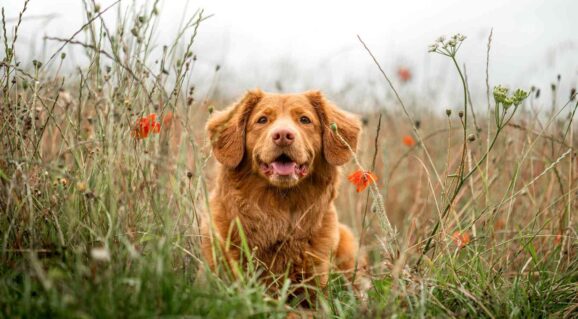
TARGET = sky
(299,45)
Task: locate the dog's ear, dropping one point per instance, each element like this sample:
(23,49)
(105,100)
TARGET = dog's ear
(336,152)
(226,129)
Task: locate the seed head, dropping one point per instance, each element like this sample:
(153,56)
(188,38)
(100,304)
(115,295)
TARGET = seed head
(519,96)
(500,94)
(507,102)
(471,137)
(448,112)
(461,114)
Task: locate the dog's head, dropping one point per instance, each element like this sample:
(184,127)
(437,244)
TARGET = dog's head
(283,137)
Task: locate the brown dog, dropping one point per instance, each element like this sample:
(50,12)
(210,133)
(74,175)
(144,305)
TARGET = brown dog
(278,179)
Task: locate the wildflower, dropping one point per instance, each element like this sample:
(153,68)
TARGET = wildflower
(507,102)
(461,239)
(447,47)
(500,94)
(404,74)
(361,179)
(168,118)
(558,239)
(500,224)
(408,140)
(519,96)
(433,47)
(146,125)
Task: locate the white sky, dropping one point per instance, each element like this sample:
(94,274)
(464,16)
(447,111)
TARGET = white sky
(313,44)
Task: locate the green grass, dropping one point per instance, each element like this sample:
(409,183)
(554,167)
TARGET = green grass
(95,223)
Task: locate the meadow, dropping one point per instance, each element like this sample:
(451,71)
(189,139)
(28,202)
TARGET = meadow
(473,213)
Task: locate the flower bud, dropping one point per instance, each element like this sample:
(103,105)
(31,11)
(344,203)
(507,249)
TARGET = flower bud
(500,94)
(37,64)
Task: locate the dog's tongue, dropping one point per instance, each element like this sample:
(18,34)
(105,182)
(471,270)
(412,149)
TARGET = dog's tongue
(282,168)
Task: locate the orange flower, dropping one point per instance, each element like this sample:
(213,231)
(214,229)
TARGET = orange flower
(146,125)
(362,179)
(558,239)
(168,118)
(461,240)
(404,74)
(408,140)
(500,224)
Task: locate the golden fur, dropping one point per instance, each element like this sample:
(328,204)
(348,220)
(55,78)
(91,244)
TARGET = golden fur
(288,220)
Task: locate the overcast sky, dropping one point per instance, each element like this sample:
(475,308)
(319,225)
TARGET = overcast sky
(313,44)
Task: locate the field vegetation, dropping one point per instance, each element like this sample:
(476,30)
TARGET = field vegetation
(105,173)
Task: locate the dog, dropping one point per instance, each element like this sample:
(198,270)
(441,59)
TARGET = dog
(278,178)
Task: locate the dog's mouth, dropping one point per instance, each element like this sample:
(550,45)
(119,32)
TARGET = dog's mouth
(284,166)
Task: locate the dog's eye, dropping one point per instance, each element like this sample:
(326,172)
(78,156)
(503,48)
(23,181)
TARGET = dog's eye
(262,120)
(305,120)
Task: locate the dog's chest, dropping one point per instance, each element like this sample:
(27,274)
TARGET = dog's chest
(280,230)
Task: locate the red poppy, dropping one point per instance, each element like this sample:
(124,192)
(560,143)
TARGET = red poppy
(146,125)
(404,74)
(461,240)
(408,140)
(362,179)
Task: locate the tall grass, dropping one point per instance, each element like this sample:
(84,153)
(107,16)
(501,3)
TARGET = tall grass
(96,222)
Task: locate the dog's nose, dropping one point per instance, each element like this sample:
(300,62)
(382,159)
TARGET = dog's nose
(283,137)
